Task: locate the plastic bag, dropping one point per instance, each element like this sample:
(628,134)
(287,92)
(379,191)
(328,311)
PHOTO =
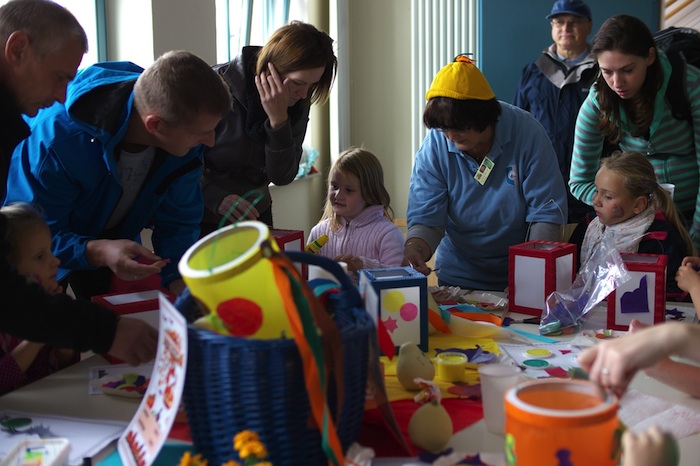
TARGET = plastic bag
(605,271)
(308,158)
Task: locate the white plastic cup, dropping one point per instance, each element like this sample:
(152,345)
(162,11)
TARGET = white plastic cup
(496,379)
(670,187)
(319,272)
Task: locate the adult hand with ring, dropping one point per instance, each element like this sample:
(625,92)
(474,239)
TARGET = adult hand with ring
(613,363)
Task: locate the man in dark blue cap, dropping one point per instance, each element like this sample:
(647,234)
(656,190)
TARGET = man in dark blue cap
(554,86)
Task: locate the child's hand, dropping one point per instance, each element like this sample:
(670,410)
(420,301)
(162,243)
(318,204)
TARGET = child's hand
(649,448)
(65,357)
(691,261)
(687,278)
(636,326)
(57,290)
(354,262)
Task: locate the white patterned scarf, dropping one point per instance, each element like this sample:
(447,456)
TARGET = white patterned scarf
(627,234)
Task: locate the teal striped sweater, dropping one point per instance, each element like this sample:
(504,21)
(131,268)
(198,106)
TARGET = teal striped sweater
(673,147)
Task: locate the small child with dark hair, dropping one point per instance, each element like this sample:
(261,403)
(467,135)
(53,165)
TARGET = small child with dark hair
(21,361)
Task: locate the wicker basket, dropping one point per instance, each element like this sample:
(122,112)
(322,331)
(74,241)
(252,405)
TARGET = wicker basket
(234,384)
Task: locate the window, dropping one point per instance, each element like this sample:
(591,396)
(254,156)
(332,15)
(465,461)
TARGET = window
(250,22)
(86,12)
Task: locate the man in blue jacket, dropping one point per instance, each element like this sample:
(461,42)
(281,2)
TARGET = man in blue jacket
(122,154)
(554,86)
(43,44)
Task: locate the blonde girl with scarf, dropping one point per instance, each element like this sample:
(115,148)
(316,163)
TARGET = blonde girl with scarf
(640,215)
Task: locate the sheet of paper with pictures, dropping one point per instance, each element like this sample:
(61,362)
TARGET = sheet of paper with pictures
(640,411)
(149,428)
(543,360)
(120,379)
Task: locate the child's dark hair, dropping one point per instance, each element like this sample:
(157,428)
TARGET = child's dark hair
(638,177)
(21,217)
(368,170)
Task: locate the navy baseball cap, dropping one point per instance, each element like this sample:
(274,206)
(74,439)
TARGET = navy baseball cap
(570,7)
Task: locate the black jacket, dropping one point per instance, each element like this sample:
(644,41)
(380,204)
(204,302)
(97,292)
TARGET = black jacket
(27,311)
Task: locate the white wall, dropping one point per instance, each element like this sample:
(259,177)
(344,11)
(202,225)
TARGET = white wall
(185,24)
(141,30)
(379,39)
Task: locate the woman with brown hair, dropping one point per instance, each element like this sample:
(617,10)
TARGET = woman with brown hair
(627,106)
(260,140)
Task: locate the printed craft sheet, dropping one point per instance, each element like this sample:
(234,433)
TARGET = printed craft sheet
(148,430)
(543,360)
(640,411)
(86,437)
(100,372)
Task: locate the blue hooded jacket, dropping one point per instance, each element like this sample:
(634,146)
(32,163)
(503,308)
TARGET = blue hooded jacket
(68,167)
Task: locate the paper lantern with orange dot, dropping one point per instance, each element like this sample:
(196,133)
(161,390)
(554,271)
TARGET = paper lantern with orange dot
(399,298)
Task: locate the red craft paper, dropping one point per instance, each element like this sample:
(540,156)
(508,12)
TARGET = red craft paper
(374,434)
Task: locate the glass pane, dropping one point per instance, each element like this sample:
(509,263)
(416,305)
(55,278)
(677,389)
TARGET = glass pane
(85,12)
(264,16)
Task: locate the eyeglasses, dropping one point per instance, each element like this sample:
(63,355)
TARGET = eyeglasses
(454,130)
(559,22)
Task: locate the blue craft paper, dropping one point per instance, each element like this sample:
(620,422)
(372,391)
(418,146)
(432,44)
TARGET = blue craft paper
(636,301)
(534,336)
(462,308)
(446,308)
(169,455)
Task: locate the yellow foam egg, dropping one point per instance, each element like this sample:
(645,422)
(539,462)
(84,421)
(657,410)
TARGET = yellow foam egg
(430,427)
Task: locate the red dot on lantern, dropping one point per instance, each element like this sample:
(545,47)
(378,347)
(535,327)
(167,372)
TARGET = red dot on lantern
(242,317)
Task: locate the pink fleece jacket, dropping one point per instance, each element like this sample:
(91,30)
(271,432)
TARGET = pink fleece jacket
(369,236)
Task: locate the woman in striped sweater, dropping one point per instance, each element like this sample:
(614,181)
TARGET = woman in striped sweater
(627,106)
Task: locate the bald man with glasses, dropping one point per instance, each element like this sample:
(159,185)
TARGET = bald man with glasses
(554,86)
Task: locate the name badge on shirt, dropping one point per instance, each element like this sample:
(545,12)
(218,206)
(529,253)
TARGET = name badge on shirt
(484,171)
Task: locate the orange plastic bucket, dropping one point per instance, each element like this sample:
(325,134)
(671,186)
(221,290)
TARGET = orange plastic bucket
(559,421)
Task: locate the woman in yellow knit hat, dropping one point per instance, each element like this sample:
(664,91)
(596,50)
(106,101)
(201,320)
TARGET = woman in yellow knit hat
(485,178)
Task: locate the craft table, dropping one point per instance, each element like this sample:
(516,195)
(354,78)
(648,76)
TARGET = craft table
(65,393)
(476,438)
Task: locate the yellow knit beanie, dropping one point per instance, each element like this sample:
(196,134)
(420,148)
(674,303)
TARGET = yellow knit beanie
(460,80)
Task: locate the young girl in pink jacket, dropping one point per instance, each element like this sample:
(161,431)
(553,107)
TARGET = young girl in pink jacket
(357,218)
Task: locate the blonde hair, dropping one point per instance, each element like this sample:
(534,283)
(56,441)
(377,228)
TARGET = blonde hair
(639,179)
(368,170)
(21,218)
